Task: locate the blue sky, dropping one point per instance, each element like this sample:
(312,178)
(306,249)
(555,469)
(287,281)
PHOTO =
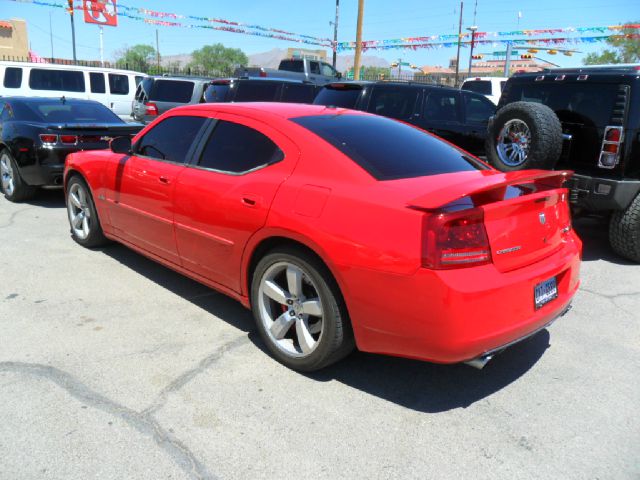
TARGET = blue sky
(383,20)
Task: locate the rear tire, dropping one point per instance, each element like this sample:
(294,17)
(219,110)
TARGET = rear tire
(299,310)
(624,231)
(83,217)
(13,187)
(524,135)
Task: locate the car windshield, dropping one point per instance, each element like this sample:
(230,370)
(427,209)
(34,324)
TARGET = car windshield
(72,112)
(478,86)
(386,148)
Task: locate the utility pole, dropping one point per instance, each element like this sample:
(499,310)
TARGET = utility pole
(51,36)
(157,51)
(335,35)
(73,31)
(459,39)
(507,61)
(356,59)
(473,37)
(101,46)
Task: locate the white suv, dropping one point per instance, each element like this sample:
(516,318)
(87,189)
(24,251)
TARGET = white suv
(490,87)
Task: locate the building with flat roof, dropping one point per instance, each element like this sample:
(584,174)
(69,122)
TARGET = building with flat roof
(14,41)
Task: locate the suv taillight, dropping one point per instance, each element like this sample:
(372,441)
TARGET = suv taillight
(455,240)
(150,108)
(610,150)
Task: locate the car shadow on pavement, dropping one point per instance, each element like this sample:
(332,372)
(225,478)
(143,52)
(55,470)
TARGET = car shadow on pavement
(48,198)
(594,233)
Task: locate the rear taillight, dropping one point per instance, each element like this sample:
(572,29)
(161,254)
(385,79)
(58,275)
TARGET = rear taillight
(48,139)
(150,108)
(610,150)
(68,139)
(455,240)
(263,73)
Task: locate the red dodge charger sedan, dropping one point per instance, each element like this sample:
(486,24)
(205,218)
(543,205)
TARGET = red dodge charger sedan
(339,229)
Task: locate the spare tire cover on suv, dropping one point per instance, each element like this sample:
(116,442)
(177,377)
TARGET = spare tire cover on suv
(524,135)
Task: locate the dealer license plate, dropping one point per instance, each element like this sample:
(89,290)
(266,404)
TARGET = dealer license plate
(545,292)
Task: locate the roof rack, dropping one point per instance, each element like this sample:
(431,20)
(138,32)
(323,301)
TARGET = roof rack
(618,67)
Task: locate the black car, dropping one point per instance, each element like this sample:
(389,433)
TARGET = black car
(36,134)
(459,117)
(582,119)
(256,89)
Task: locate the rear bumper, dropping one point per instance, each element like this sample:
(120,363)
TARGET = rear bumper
(453,316)
(601,194)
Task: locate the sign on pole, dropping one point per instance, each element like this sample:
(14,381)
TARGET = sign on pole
(100,12)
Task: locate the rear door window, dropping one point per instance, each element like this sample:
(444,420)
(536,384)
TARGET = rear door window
(388,149)
(343,95)
(118,84)
(58,80)
(96,82)
(12,77)
(298,93)
(171,139)
(236,148)
(176,91)
(314,67)
(256,91)
(442,106)
(478,86)
(478,109)
(394,102)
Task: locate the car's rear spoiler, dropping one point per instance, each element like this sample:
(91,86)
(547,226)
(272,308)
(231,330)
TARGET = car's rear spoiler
(486,187)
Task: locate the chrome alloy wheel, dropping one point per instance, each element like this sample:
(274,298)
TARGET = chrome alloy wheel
(290,309)
(79,211)
(6,171)
(514,142)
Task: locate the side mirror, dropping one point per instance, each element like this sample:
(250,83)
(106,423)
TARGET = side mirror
(120,145)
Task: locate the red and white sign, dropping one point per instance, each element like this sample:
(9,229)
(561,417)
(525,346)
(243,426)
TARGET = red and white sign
(100,12)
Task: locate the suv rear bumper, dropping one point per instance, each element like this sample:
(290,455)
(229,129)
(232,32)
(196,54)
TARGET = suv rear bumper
(600,194)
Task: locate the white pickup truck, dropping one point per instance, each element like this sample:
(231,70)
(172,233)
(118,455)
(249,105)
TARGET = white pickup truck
(307,70)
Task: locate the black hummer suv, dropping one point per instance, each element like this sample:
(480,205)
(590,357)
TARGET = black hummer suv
(582,119)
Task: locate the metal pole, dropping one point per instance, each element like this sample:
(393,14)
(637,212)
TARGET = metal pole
(335,35)
(459,38)
(101,46)
(157,51)
(507,61)
(73,31)
(51,36)
(356,60)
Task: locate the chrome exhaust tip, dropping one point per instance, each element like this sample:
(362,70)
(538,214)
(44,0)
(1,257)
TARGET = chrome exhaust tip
(479,362)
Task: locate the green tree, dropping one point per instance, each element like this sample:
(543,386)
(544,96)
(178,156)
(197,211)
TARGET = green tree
(376,72)
(625,50)
(217,59)
(138,57)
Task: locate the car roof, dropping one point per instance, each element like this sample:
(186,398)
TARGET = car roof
(222,81)
(268,109)
(48,100)
(391,83)
(180,78)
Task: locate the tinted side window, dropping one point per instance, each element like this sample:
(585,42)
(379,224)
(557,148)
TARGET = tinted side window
(394,102)
(373,143)
(314,67)
(118,84)
(236,148)
(96,81)
(12,77)
(478,109)
(345,97)
(171,91)
(298,93)
(171,139)
(216,92)
(59,80)
(256,91)
(442,107)
(138,79)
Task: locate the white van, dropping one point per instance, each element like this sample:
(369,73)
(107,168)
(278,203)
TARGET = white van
(113,88)
(490,87)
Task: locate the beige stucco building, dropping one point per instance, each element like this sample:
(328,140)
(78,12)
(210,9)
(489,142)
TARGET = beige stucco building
(14,42)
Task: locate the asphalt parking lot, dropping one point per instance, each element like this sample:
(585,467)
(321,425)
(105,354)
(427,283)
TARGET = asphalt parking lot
(114,367)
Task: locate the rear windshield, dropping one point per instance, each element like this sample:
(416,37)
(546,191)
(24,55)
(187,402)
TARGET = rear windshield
(345,97)
(398,151)
(75,113)
(216,93)
(589,104)
(176,91)
(292,65)
(298,93)
(256,91)
(478,86)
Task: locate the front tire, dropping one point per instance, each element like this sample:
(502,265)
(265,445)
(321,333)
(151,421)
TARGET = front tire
(299,311)
(624,231)
(83,217)
(13,187)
